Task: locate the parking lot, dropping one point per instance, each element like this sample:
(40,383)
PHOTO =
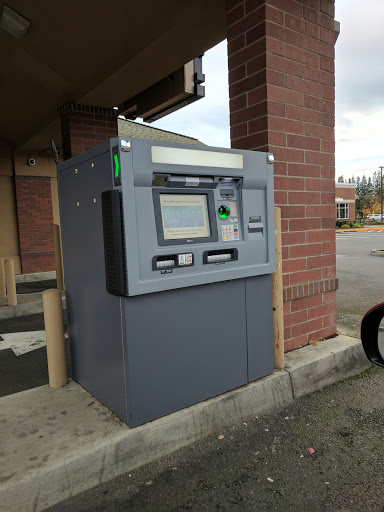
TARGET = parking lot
(361,277)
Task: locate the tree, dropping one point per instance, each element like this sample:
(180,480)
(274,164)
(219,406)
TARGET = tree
(376,183)
(340,179)
(370,190)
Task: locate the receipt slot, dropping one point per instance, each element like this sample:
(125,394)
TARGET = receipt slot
(168,252)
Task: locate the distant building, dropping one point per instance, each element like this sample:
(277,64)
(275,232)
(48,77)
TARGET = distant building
(345,201)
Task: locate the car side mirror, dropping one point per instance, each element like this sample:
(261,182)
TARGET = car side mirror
(372,334)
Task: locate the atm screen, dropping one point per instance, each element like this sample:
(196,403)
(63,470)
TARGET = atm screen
(184,216)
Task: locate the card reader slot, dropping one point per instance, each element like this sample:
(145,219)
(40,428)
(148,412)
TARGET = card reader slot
(217,256)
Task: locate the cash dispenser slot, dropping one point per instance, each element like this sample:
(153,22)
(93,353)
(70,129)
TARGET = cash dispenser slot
(218,256)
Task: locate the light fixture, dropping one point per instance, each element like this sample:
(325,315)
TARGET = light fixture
(12,22)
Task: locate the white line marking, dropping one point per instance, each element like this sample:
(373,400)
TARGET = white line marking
(23,342)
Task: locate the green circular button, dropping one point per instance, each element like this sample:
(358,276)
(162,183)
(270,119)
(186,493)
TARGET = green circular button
(224,211)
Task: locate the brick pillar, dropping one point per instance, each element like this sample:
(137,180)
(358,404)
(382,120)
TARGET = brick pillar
(85,126)
(35,218)
(281,89)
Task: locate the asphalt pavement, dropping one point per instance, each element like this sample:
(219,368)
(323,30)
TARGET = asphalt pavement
(29,370)
(265,464)
(361,278)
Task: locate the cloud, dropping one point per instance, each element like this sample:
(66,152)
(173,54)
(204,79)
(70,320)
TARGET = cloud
(359,87)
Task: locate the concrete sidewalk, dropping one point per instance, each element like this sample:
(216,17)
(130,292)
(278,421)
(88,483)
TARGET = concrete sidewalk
(56,443)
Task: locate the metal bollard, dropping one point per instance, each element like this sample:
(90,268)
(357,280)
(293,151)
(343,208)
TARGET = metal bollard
(3,292)
(54,332)
(10,282)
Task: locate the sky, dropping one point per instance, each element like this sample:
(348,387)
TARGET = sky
(359,92)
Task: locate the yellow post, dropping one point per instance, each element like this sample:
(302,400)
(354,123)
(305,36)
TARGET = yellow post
(58,257)
(54,332)
(10,282)
(3,292)
(277,298)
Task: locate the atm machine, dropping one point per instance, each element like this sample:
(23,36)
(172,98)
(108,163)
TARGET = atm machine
(168,252)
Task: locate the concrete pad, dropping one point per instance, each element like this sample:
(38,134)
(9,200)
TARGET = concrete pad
(56,443)
(313,367)
(7,312)
(59,442)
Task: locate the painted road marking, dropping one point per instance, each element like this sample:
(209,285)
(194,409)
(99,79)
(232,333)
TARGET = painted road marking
(23,342)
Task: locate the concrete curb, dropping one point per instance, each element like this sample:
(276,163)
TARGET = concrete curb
(38,276)
(58,443)
(353,230)
(30,308)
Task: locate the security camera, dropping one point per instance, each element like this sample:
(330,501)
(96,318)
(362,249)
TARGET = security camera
(31,161)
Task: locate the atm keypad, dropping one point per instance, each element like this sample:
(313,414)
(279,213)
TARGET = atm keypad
(230,232)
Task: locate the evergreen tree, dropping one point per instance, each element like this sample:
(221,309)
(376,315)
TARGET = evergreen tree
(340,179)
(370,190)
(376,183)
(358,193)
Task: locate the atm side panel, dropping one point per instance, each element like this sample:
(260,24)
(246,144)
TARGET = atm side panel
(94,315)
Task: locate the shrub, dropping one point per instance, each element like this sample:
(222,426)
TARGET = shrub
(357,225)
(345,226)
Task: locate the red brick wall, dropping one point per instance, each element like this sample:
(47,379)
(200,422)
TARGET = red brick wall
(281,88)
(85,126)
(35,218)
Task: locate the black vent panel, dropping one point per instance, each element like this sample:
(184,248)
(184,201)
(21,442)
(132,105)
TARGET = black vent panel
(113,242)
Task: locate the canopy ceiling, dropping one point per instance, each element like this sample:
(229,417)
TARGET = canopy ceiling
(98,53)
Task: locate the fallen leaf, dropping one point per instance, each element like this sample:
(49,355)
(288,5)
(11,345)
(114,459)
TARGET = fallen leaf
(311,451)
